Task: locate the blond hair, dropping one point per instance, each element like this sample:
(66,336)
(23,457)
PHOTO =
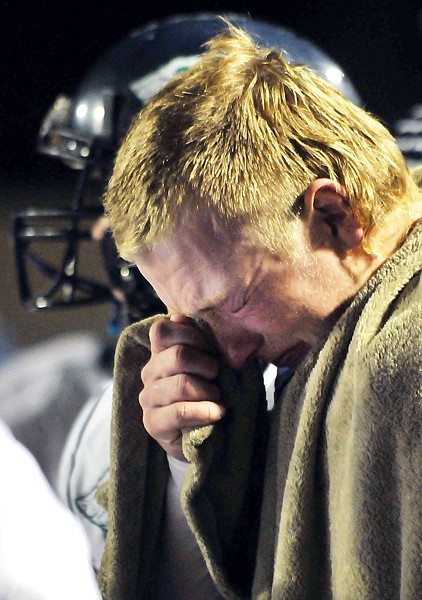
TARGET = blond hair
(242,134)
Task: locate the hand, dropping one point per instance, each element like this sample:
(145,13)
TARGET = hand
(179,389)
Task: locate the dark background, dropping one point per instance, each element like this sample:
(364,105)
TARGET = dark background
(45,48)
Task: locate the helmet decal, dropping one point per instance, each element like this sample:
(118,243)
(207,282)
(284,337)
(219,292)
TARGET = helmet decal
(147,86)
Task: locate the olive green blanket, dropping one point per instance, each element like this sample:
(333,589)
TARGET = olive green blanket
(342,506)
(223,486)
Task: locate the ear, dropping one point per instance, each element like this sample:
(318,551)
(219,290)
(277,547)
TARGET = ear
(329,216)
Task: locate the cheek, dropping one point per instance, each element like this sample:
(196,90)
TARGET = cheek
(262,316)
(277,314)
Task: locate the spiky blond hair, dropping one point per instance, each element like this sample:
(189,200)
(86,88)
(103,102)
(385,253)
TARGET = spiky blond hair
(242,134)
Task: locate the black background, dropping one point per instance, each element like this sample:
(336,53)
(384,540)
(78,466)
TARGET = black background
(47,46)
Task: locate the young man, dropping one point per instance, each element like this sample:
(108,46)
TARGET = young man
(279,223)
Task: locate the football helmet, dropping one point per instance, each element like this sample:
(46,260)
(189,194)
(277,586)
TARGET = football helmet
(85,131)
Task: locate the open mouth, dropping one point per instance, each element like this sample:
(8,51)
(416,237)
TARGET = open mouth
(293,356)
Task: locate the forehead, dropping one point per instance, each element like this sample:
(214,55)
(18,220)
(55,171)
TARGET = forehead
(199,265)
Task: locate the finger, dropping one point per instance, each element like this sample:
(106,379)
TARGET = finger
(179,359)
(165,423)
(178,388)
(165,333)
(99,229)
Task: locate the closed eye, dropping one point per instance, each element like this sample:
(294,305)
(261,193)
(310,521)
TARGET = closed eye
(245,303)
(237,310)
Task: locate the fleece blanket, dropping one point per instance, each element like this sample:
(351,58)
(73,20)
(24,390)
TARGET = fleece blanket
(221,494)
(341,513)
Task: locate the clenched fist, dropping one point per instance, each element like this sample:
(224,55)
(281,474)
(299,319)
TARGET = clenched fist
(179,383)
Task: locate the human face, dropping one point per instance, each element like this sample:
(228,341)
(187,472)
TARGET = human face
(256,303)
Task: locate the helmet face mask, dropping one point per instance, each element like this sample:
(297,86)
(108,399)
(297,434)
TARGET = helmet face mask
(60,264)
(85,131)
(50,245)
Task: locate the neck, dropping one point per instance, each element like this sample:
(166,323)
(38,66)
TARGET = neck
(387,238)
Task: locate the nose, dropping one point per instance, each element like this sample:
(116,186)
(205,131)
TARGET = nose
(237,350)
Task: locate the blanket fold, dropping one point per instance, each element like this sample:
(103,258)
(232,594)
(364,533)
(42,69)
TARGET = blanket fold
(221,494)
(342,490)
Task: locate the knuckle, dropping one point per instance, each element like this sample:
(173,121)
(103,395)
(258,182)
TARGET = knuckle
(144,373)
(142,399)
(209,413)
(182,385)
(183,413)
(181,355)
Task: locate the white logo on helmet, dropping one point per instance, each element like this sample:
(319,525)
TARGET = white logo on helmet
(145,87)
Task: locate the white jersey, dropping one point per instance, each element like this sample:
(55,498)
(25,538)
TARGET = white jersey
(44,554)
(42,390)
(85,464)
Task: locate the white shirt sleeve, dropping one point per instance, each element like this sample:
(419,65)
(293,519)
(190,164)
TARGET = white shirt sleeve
(183,572)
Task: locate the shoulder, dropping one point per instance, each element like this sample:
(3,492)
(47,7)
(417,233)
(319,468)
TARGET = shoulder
(399,336)
(394,355)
